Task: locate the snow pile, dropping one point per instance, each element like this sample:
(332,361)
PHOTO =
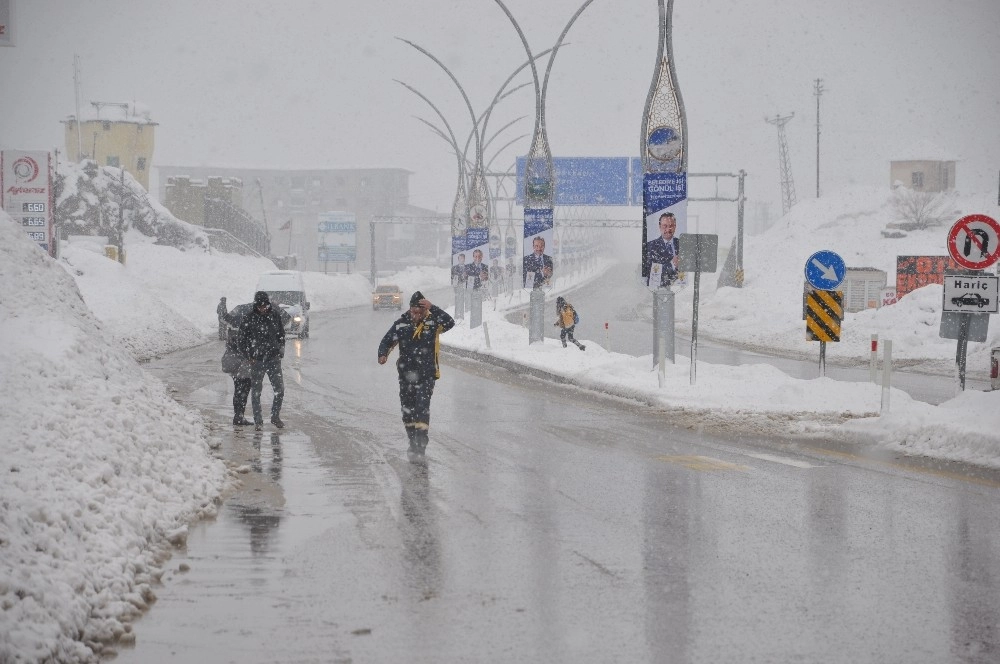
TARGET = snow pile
(753,399)
(164,299)
(102,200)
(101,469)
(767,311)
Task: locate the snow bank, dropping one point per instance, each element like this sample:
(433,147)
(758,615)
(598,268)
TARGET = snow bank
(101,468)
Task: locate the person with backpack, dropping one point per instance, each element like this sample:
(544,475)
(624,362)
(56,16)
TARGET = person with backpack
(236,365)
(567,320)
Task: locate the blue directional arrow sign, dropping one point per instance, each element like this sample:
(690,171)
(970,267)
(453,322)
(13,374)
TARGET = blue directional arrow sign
(825,270)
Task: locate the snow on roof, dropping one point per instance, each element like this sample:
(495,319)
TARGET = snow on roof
(115,111)
(925,150)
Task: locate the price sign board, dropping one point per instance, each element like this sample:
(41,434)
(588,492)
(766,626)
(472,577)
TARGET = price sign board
(26,194)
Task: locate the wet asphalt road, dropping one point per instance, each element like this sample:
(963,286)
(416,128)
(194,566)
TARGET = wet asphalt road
(552,525)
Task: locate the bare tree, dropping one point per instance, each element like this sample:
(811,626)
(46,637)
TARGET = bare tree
(919,210)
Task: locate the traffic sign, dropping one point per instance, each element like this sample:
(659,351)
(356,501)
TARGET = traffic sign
(975,293)
(825,270)
(974,241)
(824,312)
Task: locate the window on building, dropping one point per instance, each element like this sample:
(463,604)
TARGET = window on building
(140,164)
(317,182)
(917,179)
(342,203)
(113,161)
(107,126)
(298,182)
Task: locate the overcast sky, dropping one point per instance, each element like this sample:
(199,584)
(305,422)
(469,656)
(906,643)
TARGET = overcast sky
(310,84)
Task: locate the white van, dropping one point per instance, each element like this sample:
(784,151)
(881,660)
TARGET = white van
(285,289)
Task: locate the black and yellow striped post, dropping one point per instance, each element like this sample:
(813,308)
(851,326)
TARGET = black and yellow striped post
(824,313)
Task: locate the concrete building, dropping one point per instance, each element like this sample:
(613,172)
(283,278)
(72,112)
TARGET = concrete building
(926,167)
(119,134)
(292,201)
(217,204)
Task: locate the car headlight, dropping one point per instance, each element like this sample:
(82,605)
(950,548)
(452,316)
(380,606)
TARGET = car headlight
(297,319)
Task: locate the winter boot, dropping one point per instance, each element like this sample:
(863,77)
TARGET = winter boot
(241,421)
(421,440)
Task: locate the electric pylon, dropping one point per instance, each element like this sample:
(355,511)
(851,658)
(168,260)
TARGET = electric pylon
(787,184)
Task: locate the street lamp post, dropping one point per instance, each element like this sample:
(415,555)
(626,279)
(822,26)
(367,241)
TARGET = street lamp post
(539,178)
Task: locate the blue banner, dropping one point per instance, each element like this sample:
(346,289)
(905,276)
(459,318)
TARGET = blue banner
(537,221)
(663,190)
(585,180)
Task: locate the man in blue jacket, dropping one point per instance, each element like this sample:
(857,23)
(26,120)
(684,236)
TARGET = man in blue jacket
(416,333)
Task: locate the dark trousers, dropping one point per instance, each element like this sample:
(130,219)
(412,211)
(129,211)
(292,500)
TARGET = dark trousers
(567,333)
(415,402)
(272,368)
(241,390)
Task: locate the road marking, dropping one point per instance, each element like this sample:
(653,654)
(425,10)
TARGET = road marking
(784,460)
(702,463)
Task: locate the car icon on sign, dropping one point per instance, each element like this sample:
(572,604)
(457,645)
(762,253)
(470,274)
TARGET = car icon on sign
(970,299)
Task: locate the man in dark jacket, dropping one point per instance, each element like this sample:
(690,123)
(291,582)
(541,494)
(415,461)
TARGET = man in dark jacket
(416,333)
(241,377)
(262,342)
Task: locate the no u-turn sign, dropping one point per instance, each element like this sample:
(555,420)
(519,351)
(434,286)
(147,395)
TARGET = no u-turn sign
(974,241)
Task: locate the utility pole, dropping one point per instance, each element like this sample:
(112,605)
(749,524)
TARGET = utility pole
(818,92)
(263,212)
(787,184)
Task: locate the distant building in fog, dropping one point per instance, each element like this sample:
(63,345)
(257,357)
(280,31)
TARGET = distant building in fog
(925,168)
(118,134)
(217,204)
(301,195)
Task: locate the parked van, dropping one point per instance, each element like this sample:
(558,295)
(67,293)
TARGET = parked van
(286,290)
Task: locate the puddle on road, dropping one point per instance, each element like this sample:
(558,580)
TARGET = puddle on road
(278,507)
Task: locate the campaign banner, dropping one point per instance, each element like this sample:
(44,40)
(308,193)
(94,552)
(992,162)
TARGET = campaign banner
(664,207)
(537,265)
(26,194)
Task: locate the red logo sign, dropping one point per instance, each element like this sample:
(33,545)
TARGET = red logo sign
(25,169)
(974,241)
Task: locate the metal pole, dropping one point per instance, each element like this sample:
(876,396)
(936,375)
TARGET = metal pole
(459,301)
(371,237)
(963,344)
(536,323)
(822,358)
(886,374)
(694,321)
(741,199)
(663,324)
(476,308)
(121,221)
(818,91)
(873,361)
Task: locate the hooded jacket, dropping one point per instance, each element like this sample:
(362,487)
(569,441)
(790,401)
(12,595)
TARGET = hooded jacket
(262,335)
(419,345)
